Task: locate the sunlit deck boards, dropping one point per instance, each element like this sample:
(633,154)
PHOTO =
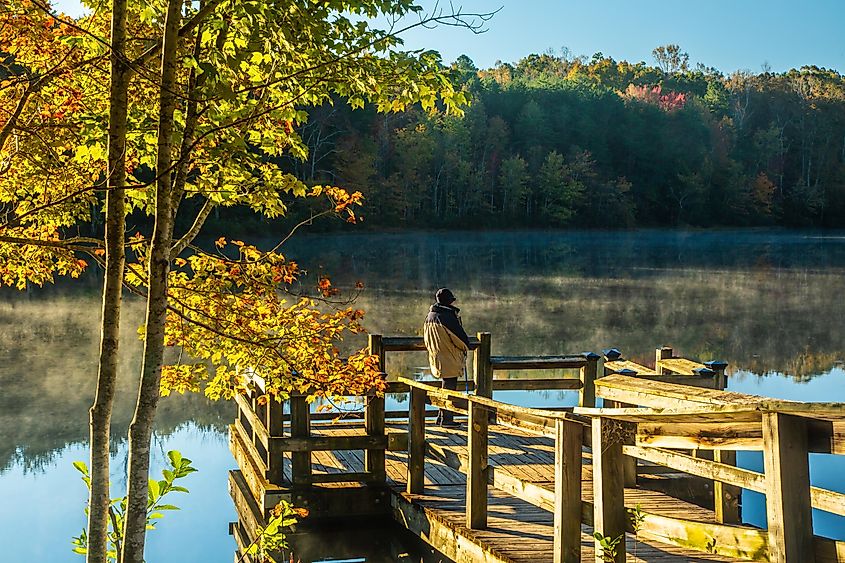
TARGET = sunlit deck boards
(517,531)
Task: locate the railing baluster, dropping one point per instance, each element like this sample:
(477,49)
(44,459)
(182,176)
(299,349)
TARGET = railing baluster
(274,422)
(588,373)
(374,460)
(788,505)
(608,486)
(416,441)
(477,473)
(567,509)
(300,427)
(482,366)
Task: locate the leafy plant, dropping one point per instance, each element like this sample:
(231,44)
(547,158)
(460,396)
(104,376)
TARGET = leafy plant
(608,546)
(180,467)
(637,517)
(273,538)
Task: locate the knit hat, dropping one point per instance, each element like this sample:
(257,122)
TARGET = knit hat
(444,296)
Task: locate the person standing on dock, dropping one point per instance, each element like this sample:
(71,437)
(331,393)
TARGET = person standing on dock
(447,344)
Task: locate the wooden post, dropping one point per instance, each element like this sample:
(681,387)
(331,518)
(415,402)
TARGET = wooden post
(477,472)
(788,508)
(253,401)
(482,368)
(374,460)
(589,371)
(662,353)
(726,497)
(300,427)
(567,510)
(274,422)
(629,464)
(720,382)
(416,441)
(609,514)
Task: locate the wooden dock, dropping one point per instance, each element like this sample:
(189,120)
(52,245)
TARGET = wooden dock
(516,484)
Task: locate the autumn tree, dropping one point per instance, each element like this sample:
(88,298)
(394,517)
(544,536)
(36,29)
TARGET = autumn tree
(670,59)
(215,93)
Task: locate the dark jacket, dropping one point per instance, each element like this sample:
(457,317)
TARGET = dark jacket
(445,340)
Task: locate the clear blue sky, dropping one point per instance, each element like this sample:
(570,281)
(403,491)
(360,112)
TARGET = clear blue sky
(726,34)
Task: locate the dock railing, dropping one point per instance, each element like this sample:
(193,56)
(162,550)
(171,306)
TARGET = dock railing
(566,429)
(645,416)
(784,431)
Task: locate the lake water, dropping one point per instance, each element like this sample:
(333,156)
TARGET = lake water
(769,303)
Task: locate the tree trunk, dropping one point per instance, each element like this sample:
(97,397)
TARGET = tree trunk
(115,225)
(140,430)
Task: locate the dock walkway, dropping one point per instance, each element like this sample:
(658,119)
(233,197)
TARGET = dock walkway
(655,466)
(516,531)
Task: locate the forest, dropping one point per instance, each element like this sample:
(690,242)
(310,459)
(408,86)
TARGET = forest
(562,141)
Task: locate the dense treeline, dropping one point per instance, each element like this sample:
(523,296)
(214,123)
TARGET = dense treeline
(559,141)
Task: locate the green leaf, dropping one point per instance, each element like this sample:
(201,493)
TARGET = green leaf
(167,507)
(154,490)
(81,467)
(175,458)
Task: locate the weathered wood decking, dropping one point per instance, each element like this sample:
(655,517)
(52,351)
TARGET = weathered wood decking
(516,531)
(520,484)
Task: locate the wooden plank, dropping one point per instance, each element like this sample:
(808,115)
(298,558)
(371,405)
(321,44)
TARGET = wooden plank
(252,470)
(374,417)
(712,414)
(413,343)
(452,541)
(699,381)
(587,376)
(257,425)
(482,368)
(327,443)
(476,512)
(567,507)
(249,512)
(616,366)
(662,353)
(826,436)
(788,508)
(506,363)
(300,427)
(256,459)
(726,498)
(681,366)
(609,517)
(437,393)
(353,477)
(416,442)
(649,393)
(518,384)
(828,551)
(274,422)
(707,537)
(732,435)
(699,467)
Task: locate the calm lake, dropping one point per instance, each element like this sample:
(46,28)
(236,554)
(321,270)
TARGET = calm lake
(769,303)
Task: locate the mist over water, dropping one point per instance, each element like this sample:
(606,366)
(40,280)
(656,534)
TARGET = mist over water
(769,303)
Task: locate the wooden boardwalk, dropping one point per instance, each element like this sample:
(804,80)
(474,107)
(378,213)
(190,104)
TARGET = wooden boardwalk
(515,484)
(517,531)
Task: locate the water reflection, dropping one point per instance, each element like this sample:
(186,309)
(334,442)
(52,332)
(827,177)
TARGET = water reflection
(379,542)
(766,302)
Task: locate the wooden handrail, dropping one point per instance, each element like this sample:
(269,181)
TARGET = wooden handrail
(413,343)
(492,403)
(823,499)
(503,363)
